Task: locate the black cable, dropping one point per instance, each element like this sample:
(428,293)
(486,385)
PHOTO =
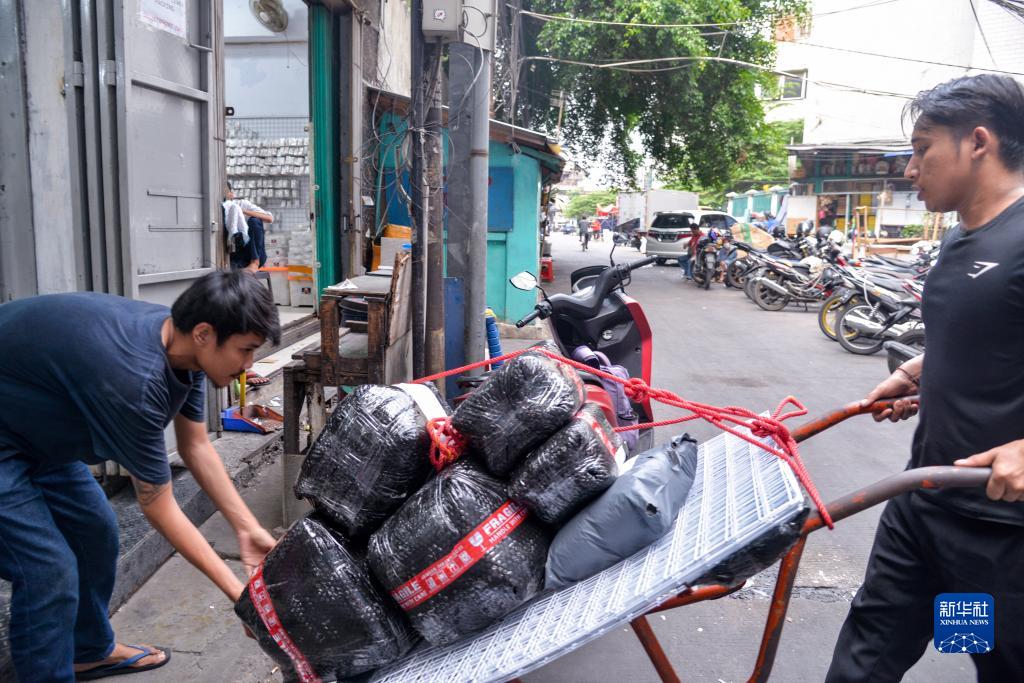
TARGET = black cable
(902,59)
(984,39)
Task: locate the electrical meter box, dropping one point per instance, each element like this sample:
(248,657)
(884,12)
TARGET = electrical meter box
(442,19)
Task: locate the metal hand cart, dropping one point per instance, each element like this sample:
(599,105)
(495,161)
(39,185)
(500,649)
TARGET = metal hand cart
(745,504)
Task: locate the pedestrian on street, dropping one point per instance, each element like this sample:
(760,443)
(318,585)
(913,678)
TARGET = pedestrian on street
(968,156)
(90,377)
(686,259)
(584,230)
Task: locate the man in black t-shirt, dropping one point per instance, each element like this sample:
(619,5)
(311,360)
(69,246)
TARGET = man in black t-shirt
(968,156)
(89,377)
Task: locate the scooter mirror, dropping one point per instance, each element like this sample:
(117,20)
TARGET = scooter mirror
(525,281)
(619,238)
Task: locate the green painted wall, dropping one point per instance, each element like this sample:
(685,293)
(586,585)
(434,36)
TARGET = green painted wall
(511,252)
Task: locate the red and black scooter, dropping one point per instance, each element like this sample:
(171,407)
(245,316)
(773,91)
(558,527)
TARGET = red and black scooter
(600,316)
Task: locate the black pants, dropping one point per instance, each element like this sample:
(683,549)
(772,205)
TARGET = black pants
(921,550)
(255,250)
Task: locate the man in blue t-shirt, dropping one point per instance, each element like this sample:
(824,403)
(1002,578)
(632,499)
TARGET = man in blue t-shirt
(968,156)
(90,377)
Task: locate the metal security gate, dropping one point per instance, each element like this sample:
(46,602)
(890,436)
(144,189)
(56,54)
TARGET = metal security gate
(164,98)
(141,96)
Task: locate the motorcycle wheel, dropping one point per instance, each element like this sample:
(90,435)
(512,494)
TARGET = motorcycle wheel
(698,277)
(748,285)
(828,314)
(915,338)
(852,340)
(735,274)
(768,299)
(711,268)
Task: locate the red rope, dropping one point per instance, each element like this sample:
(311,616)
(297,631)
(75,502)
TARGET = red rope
(447,445)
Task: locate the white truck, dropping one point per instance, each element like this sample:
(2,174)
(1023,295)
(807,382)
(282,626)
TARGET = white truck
(644,205)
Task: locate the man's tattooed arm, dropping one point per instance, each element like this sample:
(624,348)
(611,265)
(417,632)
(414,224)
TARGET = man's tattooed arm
(146,493)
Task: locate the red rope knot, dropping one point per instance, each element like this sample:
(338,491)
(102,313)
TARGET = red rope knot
(446,444)
(762,427)
(637,390)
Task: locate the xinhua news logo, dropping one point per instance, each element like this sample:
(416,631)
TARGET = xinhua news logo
(965,623)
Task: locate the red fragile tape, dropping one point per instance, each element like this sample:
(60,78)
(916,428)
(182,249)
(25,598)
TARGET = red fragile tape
(467,552)
(596,426)
(268,615)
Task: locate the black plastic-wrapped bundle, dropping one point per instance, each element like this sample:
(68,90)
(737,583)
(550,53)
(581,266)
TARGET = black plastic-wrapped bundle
(570,469)
(517,408)
(327,605)
(638,509)
(459,554)
(372,454)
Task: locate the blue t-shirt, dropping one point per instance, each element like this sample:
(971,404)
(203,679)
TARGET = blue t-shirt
(86,377)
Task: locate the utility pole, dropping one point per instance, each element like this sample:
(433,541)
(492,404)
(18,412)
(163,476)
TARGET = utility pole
(469,82)
(435,225)
(417,183)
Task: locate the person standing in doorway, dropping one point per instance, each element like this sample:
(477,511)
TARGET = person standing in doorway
(968,157)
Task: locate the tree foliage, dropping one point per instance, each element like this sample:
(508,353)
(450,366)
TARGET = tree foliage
(765,161)
(586,203)
(694,119)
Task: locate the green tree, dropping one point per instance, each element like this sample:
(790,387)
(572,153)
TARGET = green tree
(765,161)
(694,116)
(586,203)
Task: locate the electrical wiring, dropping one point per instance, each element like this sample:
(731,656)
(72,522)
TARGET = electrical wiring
(738,22)
(984,38)
(902,59)
(627,66)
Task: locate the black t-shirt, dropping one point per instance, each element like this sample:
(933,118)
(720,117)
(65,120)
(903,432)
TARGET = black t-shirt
(972,384)
(85,377)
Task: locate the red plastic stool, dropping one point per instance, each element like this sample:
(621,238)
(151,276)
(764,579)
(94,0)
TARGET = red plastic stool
(547,269)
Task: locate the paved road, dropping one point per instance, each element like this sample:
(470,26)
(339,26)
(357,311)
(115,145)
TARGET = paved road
(717,347)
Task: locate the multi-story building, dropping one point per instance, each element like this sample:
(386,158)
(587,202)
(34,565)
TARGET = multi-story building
(849,71)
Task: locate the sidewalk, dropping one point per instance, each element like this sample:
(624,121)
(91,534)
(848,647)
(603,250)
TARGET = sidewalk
(179,609)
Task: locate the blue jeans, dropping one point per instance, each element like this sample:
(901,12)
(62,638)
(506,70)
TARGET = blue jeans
(58,547)
(686,263)
(255,249)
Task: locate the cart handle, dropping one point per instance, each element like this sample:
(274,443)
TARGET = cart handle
(820,424)
(933,477)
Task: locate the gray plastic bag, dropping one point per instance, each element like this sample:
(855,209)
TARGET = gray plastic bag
(639,508)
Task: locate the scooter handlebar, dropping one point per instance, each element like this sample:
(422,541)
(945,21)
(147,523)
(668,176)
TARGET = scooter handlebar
(528,318)
(641,263)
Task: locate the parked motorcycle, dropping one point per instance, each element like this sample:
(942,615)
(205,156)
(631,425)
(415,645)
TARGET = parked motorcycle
(864,328)
(812,279)
(904,347)
(600,316)
(705,261)
(868,274)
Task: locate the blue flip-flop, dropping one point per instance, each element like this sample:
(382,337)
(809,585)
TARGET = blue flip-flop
(126,666)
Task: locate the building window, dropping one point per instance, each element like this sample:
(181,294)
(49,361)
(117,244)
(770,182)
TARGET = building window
(794,85)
